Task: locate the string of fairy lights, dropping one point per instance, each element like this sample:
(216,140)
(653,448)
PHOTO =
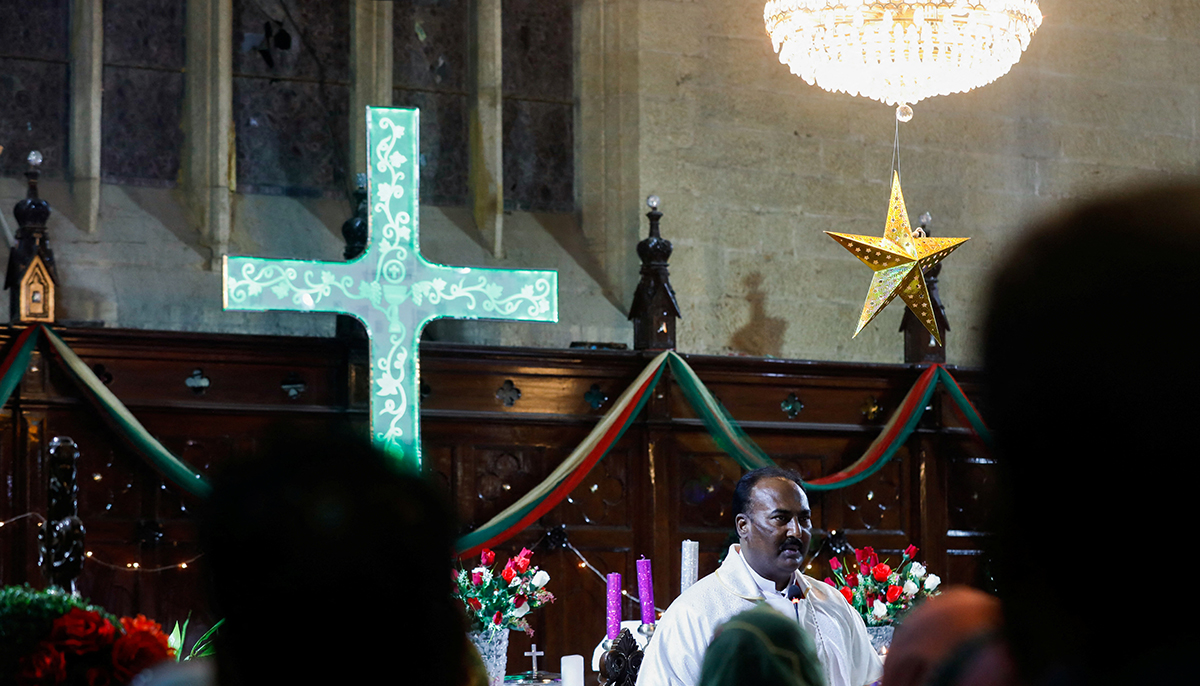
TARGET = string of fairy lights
(136,567)
(89,556)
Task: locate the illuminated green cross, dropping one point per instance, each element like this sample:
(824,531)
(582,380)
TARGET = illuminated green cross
(391,287)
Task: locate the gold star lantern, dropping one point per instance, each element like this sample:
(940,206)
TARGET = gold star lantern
(899,260)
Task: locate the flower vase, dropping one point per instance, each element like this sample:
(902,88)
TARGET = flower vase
(493,648)
(881,638)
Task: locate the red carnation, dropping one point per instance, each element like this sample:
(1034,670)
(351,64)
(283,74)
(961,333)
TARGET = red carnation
(487,557)
(43,665)
(476,578)
(475,604)
(881,572)
(893,593)
(521,564)
(508,572)
(497,618)
(911,551)
(137,650)
(834,564)
(852,580)
(81,631)
(847,594)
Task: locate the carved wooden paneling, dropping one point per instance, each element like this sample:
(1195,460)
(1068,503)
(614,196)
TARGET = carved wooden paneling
(664,481)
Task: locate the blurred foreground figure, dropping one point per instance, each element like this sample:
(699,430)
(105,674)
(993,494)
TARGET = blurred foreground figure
(1094,375)
(331,566)
(947,640)
(761,647)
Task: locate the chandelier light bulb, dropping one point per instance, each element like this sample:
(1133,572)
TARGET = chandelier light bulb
(900,53)
(904,113)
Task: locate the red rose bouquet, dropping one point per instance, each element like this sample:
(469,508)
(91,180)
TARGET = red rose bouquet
(880,594)
(50,637)
(496,600)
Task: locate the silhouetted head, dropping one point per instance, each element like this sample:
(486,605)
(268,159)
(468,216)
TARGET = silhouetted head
(1093,375)
(320,548)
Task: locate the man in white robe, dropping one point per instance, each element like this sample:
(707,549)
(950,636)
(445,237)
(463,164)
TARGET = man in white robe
(774,525)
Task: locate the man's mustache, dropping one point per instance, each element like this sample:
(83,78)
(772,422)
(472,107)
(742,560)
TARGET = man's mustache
(792,541)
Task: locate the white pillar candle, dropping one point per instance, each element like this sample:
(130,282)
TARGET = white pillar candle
(571,669)
(689,570)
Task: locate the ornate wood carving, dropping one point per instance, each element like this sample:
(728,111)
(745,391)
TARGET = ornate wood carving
(654,309)
(31,275)
(620,664)
(61,536)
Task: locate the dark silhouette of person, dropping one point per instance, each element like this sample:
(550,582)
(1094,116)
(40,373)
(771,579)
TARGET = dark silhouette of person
(1093,377)
(332,565)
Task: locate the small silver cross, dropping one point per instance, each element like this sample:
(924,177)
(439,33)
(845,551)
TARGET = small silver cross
(534,652)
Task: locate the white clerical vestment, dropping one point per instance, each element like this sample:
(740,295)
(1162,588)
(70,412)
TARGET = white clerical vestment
(676,652)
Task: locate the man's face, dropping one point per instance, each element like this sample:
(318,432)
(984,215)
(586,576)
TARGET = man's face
(776,529)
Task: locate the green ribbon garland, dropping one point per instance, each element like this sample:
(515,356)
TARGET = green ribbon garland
(720,425)
(173,468)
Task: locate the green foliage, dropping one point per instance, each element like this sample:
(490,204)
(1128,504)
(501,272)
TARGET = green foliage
(203,647)
(26,615)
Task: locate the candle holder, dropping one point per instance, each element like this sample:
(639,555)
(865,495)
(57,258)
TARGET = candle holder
(647,630)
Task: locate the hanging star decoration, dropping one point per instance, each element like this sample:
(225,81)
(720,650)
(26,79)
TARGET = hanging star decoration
(899,260)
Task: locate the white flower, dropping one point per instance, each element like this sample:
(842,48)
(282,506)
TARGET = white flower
(910,588)
(917,570)
(893,578)
(516,581)
(932,582)
(522,610)
(540,579)
(879,609)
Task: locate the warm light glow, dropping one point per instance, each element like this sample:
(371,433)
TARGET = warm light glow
(900,52)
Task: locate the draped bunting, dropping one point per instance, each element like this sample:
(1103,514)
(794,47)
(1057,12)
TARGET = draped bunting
(560,482)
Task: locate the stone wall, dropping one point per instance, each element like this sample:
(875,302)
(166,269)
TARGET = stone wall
(753,164)
(686,100)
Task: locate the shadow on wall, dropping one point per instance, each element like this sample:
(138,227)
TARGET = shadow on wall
(762,336)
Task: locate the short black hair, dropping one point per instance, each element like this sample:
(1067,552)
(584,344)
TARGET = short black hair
(746,484)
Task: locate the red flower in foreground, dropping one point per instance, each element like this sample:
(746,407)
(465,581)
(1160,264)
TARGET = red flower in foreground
(137,650)
(487,557)
(508,572)
(893,593)
(521,564)
(476,578)
(475,604)
(859,554)
(847,594)
(911,551)
(852,580)
(81,631)
(44,665)
(99,676)
(525,554)
(497,618)
(834,564)
(881,572)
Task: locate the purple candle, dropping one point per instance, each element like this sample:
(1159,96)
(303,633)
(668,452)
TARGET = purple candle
(613,614)
(646,591)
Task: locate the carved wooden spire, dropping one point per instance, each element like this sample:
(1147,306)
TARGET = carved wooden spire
(31,277)
(919,345)
(654,309)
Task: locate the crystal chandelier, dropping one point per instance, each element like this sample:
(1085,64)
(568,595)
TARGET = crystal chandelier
(900,53)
